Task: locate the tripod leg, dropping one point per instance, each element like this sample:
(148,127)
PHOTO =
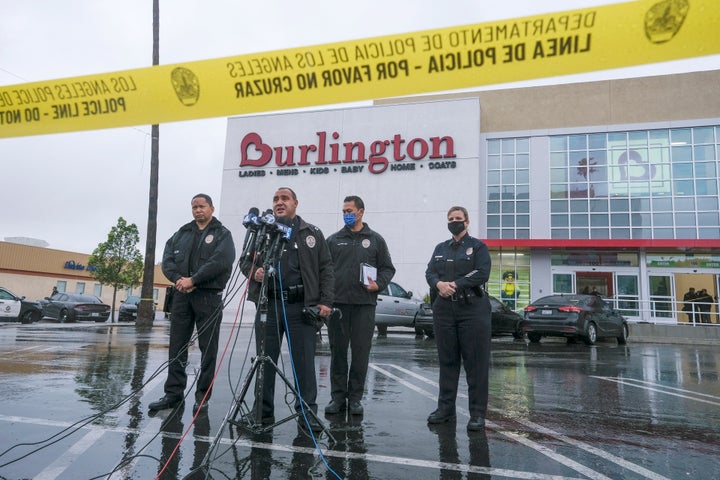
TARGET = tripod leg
(246,386)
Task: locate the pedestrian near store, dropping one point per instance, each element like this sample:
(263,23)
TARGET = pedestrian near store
(198,259)
(689,304)
(304,279)
(457,273)
(363,267)
(704,303)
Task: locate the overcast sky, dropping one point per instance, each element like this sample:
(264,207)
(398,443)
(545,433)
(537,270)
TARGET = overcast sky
(69,189)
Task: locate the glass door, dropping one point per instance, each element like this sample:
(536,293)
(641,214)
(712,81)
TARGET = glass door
(628,295)
(563,283)
(661,297)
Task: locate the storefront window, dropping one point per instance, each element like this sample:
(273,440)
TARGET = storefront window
(683,261)
(510,278)
(590,259)
(508,179)
(676,167)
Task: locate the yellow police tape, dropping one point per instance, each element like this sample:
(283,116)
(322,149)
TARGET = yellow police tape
(598,38)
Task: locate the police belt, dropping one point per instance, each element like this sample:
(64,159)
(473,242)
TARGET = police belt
(292,294)
(463,295)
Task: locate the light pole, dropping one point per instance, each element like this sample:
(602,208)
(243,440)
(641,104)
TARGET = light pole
(145,308)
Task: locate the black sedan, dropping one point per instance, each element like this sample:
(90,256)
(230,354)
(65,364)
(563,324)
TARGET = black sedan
(14,308)
(587,317)
(504,321)
(71,307)
(129,308)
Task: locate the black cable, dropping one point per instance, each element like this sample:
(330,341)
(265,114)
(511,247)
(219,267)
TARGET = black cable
(75,427)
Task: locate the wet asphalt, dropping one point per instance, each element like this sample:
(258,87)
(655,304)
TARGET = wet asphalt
(74,403)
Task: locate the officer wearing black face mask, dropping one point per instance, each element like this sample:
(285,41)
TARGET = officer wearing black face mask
(457,273)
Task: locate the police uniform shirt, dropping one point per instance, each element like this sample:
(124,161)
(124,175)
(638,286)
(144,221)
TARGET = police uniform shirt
(466,262)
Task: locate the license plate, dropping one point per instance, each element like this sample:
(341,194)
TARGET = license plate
(95,314)
(547,312)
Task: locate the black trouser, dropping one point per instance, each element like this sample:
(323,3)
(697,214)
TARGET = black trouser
(301,343)
(462,334)
(201,310)
(355,329)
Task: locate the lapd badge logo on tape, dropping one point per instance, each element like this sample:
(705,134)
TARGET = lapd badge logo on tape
(366,243)
(186,85)
(310,241)
(664,19)
(209,238)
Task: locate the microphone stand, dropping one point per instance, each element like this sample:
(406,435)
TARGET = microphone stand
(253,423)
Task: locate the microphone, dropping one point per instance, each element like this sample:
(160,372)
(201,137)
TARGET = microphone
(261,239)
(280,233)
(251,222)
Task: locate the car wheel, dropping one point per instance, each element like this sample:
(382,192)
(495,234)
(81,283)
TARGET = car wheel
(63,316)
(419,332)
(622,339)
(28,317)
(382,330)
(534,337)
(591,336)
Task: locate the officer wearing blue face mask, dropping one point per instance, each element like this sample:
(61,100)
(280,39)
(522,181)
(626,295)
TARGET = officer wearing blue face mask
(457,273)
(352,247)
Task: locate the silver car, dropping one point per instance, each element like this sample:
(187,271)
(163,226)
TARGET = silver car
(396,307)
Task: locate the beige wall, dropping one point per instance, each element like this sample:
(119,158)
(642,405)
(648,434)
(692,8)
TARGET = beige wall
(33,271)
(610,102)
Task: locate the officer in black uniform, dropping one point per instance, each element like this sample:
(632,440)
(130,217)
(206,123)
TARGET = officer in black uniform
(305,278)
(456,273)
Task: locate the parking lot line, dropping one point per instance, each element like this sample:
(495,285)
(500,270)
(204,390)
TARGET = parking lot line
(656,387)
(533,426)
(56,468)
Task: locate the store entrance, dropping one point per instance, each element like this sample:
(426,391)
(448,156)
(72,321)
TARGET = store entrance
(698,305)
(599,283)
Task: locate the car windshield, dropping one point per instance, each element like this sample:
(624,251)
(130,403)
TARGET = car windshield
(133,300)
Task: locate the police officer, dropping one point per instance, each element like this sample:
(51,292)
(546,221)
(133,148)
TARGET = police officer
(456,273)
(198,259)
(353,246)
(305,278)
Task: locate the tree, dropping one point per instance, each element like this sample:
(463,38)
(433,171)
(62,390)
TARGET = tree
(118,262)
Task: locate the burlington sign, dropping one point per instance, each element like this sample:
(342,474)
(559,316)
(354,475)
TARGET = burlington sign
(328,153)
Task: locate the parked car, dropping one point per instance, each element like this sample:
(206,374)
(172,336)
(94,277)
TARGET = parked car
(396,307)
(71,307)
(504,321)
(17,309)
(587,317)
(128,309)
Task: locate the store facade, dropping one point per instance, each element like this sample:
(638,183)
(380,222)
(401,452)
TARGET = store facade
(33,272)
(605,186)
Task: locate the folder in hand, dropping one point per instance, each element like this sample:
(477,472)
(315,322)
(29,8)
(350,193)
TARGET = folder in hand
(366,271)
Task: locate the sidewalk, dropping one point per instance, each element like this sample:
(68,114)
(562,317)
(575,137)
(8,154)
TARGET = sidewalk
(702,334)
